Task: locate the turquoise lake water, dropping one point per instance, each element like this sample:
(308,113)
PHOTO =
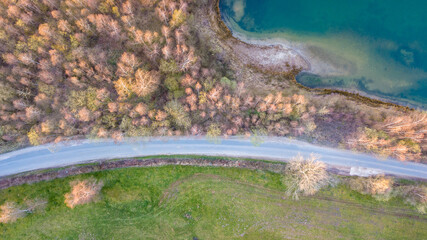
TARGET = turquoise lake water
(378,46)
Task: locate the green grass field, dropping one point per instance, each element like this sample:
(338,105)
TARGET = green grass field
(185,202)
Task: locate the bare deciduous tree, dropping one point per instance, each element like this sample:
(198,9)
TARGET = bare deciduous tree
(10,211)
(84,115)
(145,82)
(305,176)
(83,191)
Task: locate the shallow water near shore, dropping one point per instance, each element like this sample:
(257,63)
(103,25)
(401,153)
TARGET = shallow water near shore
(376,47)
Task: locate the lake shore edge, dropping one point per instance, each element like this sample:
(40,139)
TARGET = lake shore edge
(227,34)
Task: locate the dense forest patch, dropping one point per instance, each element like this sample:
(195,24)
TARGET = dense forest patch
(103,68)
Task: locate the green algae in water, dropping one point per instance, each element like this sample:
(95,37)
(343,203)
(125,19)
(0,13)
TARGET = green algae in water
(375,46)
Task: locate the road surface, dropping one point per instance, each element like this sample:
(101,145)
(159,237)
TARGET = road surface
(280,149)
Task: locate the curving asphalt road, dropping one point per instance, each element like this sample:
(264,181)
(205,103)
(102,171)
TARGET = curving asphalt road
(280,149)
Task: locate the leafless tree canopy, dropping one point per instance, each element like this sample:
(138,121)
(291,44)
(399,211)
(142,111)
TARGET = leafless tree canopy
(305,176)
(76,68)
(83,191)
(10,211)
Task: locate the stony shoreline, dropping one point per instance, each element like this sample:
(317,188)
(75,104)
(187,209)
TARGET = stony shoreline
(296,54)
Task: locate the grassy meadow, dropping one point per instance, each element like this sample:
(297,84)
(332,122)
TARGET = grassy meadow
(186,202)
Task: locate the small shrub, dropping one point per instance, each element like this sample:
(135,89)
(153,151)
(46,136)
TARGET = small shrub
(178,114)
(379,186)
(34,137)
(228,83)
(416,196)
(178,17)
(10,211)
(168,67)
(213,133)
(82,192)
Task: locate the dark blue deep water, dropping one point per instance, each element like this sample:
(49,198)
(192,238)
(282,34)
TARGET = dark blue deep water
(383,43)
